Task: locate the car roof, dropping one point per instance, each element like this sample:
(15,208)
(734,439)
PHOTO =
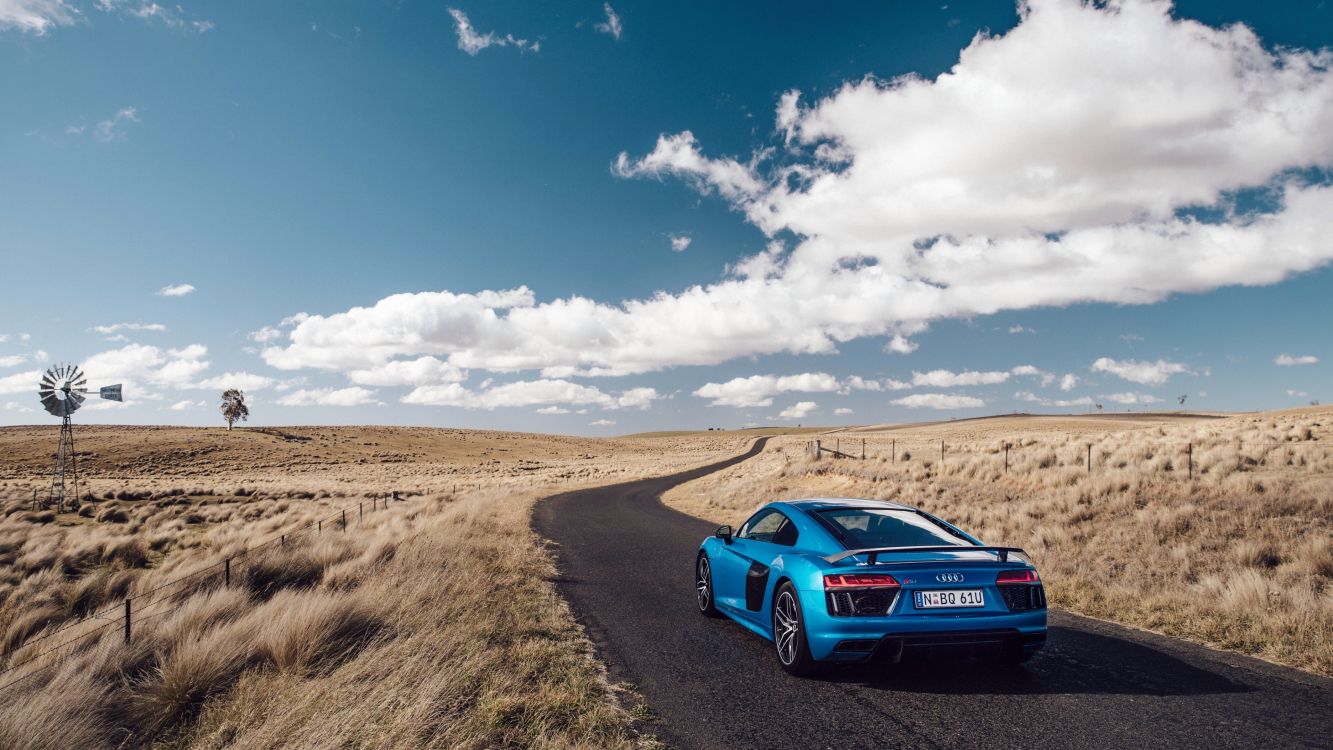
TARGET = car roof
(815,504)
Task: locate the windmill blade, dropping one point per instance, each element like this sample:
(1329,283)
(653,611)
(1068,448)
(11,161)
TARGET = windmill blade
(53,405)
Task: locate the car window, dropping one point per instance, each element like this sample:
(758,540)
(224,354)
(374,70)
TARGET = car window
(864,528)
(763,526)
(786,534)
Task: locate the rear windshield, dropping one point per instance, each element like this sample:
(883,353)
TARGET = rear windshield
(863,528)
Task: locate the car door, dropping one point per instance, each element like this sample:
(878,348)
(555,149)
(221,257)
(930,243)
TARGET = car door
(744,579)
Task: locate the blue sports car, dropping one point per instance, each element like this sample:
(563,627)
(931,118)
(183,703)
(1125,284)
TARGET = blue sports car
(839,580)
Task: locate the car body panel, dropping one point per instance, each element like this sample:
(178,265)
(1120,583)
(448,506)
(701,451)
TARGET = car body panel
(747,572)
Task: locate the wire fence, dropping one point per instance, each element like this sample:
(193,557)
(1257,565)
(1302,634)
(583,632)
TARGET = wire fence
(1090,455)
(170,595)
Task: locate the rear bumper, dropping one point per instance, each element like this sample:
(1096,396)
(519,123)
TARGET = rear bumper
(893,638)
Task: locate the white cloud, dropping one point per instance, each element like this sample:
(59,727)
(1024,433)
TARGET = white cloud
(15,406)
(133,363)
(111,128)
(21,382)
(117,327)
(900,344)
(553,410)
(13,360)
(947,379)
(1046,168)
(1035,372)
(471,42)
(1147,373)
(843,411)
(178,290)
(759,390)
(939,401)
(353,396)
(1020,329)
(172,16)
(35,16)
(413,372)
(612,24)
(187,405)
(679,242)
(1068,382)
(530,393)
(1296,393)
(244,381)
(265,335)
(1130,338)
(799,410)
(1130,398)
(1286,360)
(602,422)
(1034,398)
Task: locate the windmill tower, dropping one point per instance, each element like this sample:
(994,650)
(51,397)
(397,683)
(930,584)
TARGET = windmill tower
(62,392)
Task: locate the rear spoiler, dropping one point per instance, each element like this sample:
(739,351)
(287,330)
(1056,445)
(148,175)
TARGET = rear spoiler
(874,552)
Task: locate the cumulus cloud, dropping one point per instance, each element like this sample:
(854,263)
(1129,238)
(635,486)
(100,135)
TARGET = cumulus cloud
(265,335)
(798,410)
(107,330)
(1147,373)
(679,242)
(553,410)
(602,422)
(36,16)
(1042,400)
(612,23)
(1286,360)
(140,363)
(1068,382)
(14,360)
(530,393)
(21,382)
(413,372)
(352,396)
(759,390)
(244,381)
(1130,398)
(843,411)
(187,405)
(177,290)
(1050,166)
(939,401)
(947,379)
(471,42)
(1297,394)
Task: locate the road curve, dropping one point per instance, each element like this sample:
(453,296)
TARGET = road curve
(627,567)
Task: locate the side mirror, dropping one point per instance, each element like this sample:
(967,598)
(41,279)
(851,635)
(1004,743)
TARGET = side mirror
(723,533)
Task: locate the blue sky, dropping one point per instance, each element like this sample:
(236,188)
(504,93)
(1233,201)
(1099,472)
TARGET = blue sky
(526,216)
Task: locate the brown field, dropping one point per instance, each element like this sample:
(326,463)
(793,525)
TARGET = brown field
(432,623)
(1240,556)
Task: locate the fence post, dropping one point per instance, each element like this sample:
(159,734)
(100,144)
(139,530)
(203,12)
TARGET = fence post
(1189,451)
(283,541)
(1006,458)
(319,526)
(863,449)
(893,450)
(344,520)
(360,510)
(818,448)
(941,451)
(226,573)
(1089,458)
(127,620)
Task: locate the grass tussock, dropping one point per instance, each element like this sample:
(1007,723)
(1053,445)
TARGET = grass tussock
(433,623)
(1240,556)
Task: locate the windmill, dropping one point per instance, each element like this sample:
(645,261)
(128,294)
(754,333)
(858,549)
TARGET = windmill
(1181,399)
(62,393)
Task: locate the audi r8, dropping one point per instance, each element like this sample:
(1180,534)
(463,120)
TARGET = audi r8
(844,580)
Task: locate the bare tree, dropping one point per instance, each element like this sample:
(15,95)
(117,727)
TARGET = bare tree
(233,407)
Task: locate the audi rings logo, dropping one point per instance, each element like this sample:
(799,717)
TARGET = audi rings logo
(949,577)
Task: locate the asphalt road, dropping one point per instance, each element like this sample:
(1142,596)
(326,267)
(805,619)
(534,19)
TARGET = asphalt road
(627,568)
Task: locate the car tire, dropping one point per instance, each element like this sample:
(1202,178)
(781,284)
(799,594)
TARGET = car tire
(789,639)
(703,587)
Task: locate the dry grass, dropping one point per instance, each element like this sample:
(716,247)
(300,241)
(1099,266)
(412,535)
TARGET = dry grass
(1240,557)
(431,624)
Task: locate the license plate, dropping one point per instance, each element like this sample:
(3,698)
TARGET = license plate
(954,598)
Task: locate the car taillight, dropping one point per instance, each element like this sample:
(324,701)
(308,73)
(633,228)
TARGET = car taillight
(860,580)
(1017,576)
